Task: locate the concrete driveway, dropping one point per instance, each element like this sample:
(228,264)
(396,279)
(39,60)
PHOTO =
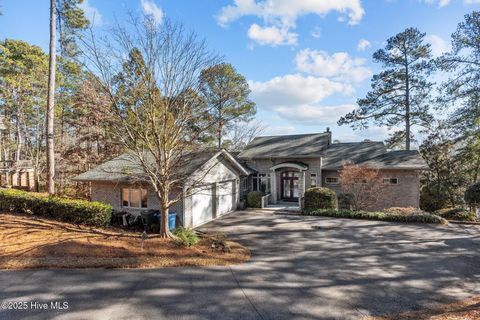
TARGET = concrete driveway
(302,268)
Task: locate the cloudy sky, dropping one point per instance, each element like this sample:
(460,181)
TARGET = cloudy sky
(307,61)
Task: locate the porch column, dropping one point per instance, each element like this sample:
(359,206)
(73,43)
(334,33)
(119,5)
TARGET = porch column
(273,186)
(302,191)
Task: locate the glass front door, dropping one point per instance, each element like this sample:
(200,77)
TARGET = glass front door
(289,184)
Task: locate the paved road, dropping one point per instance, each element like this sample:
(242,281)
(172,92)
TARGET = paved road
(302,268)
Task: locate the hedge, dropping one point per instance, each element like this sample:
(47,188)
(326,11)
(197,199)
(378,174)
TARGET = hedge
(254,199)
(367,215)
(320,198)
(456,214)
(62,209)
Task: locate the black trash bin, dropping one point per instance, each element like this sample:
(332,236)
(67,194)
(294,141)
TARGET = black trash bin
(149,218)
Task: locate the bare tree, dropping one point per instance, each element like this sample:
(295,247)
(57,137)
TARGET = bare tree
(151,75)
(52,64)
(241,133)
(362,184)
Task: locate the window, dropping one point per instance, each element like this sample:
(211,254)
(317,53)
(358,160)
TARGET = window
(331,180)
(313,180)
(134,198)
(261,182)
(390,180)
(358,180)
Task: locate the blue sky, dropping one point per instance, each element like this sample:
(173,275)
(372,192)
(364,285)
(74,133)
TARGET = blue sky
(307,61)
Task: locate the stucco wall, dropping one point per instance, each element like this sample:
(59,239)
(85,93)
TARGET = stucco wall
(405,194)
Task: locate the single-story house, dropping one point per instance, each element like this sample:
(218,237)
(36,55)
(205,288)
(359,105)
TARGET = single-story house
(282,167)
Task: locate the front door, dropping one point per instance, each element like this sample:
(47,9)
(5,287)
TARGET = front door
(289,185)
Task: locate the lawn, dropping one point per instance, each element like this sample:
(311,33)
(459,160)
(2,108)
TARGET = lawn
(32,242)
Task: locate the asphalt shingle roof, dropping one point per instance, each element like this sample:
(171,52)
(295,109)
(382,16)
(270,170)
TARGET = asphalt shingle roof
(369,153)
(291,146)
(126,168)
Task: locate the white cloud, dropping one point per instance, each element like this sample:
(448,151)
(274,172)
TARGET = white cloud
(371,133)
(363,45)
(314,114)
(273,36)
(443,3)
(293,90)
(339,66)
(279,130)
(439,45)
(151,9)
(283,14)
(298,98)
(91,13)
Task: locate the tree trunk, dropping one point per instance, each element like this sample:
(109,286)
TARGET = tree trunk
(51,103)
(407,107)
(164,230)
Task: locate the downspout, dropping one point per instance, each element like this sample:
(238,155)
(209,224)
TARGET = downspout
(321,175)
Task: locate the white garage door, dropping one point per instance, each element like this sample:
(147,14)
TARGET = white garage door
(202,205)
(225,197)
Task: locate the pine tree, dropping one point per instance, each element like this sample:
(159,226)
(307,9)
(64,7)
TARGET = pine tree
(400,92)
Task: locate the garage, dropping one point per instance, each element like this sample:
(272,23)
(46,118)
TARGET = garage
(226,197)
(202,205)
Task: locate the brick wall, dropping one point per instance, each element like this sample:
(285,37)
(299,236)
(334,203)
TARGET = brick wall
(405,194)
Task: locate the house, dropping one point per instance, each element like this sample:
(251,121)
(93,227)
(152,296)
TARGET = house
(282,167)
(285,166)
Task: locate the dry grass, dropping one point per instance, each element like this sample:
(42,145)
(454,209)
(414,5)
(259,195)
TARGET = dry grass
(468,309)
(31,242)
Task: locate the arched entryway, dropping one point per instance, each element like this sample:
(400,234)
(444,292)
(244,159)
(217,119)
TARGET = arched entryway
(288,182)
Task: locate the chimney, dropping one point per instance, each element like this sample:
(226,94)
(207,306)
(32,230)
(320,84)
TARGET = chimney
(329,135)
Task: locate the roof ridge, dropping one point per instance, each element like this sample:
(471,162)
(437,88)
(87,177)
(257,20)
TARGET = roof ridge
(293,135)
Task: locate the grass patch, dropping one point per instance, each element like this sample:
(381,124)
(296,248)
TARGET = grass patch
(33,242)
(377,215)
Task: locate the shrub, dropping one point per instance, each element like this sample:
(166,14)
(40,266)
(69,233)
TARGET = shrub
(472,195)
(457,214)
(254,199)
(68,210)
(345,201)
(433,198)
(367,215)
(320,198)
(406,211)
(185,237)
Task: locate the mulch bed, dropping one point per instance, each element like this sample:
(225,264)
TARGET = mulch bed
(31,242)
(468,309)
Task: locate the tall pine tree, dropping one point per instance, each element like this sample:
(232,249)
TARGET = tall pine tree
(399,98)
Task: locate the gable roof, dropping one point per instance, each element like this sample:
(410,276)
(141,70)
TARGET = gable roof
(317,145)
(126,168)
(289,146)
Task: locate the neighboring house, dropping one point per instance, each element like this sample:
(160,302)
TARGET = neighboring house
(283,167)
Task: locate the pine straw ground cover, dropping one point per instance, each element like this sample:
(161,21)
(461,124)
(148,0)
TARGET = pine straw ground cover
(468,309)
(32,242)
